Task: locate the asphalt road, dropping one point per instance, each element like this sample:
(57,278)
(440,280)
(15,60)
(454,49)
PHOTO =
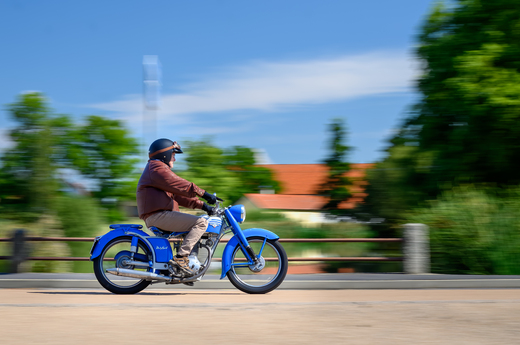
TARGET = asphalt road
(420,316)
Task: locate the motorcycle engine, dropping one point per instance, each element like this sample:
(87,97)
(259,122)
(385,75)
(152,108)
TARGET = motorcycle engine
(194,263)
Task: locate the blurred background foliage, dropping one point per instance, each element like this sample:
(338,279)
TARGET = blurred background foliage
(452,164)
(39,188)
(336,185)
(230,173)
(473,230)
(465,127)
(49,148)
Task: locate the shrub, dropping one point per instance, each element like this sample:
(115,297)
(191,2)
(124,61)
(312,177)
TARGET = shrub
(79,217)
(474,231)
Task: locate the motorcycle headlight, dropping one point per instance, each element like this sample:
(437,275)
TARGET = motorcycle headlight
(243,214)
(238,212)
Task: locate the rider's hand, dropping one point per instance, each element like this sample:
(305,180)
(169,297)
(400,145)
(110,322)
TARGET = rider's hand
(210,198)
(208,209)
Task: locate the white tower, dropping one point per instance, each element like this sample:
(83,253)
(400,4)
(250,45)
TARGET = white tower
(151,98)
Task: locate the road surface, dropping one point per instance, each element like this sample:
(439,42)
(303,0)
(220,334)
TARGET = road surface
(94,316)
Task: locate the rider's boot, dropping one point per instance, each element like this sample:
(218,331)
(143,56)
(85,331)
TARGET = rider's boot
(183,263)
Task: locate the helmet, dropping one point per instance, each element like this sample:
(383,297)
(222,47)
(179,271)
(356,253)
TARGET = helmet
(162,149)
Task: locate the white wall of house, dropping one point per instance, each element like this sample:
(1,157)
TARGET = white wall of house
(307,218)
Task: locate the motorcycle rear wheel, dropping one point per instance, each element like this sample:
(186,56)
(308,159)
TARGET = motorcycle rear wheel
(113,283)
(247,279)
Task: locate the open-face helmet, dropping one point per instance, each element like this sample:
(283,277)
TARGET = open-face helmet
(162,150)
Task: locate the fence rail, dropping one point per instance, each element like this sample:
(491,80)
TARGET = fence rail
(285,240)
(295,240)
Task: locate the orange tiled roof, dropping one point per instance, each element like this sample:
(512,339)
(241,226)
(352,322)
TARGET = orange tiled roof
(299,178)
(307,178)
(300,183)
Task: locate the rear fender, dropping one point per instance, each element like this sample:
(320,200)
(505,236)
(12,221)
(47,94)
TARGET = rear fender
(228,250)
(101,242)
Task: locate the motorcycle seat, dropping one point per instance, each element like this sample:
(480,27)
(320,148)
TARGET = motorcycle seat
(118,226)
(163,233)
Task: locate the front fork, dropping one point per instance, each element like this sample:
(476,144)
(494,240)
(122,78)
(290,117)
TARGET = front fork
(253,259)
(252,254)
(242,240)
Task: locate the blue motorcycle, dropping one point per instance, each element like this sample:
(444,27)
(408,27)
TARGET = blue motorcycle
(127,259)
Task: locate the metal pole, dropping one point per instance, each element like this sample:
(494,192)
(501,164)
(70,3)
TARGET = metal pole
(416,249)
(20,250)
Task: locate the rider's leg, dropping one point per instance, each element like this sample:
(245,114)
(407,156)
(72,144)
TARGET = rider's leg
(191,239)
(179,222)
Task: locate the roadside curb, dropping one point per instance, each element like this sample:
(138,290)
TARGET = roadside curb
(292,282)
(402,284)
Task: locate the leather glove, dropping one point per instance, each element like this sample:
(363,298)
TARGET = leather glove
(210,198)
(208,209)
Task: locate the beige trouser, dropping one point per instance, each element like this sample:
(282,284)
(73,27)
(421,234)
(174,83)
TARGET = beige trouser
(178,222)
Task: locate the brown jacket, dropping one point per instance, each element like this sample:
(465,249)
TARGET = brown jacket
(159,189)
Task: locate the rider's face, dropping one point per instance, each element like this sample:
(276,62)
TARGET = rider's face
(172,160)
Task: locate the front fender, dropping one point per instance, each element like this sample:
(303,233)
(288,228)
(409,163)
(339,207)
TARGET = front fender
(102,241)
(228,250)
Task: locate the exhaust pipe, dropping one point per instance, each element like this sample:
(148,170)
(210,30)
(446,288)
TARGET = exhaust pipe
(137,274)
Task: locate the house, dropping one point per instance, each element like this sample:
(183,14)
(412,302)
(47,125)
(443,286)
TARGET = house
(300,184)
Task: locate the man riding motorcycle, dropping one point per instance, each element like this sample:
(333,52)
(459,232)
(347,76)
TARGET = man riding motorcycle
(160,192)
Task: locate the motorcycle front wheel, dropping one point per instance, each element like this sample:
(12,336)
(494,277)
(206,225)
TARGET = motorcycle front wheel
(113,256)
(264,277)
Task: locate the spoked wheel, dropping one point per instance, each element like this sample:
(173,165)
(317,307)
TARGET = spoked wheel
(115,255)
(263,277)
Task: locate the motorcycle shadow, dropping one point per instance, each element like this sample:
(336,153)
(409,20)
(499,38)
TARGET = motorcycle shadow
(140,293)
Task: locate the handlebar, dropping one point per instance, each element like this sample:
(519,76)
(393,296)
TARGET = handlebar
(218,208)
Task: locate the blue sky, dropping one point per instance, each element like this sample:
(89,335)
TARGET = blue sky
(269,75)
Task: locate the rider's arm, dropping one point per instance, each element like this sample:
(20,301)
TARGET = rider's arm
(163,178)
(189,202)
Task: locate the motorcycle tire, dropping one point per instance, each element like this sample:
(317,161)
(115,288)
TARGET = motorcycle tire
(244,277)
(114,285)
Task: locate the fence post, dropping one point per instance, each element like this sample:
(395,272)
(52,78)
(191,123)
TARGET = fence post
(20,250)
(416,249)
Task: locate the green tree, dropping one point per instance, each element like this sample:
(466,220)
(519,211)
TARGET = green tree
(230,173)
(28,170)
(336,186)
(241,160)
(103,150)
(466,126)
(395,183)
(206,168)
(45,142)
(469,115)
